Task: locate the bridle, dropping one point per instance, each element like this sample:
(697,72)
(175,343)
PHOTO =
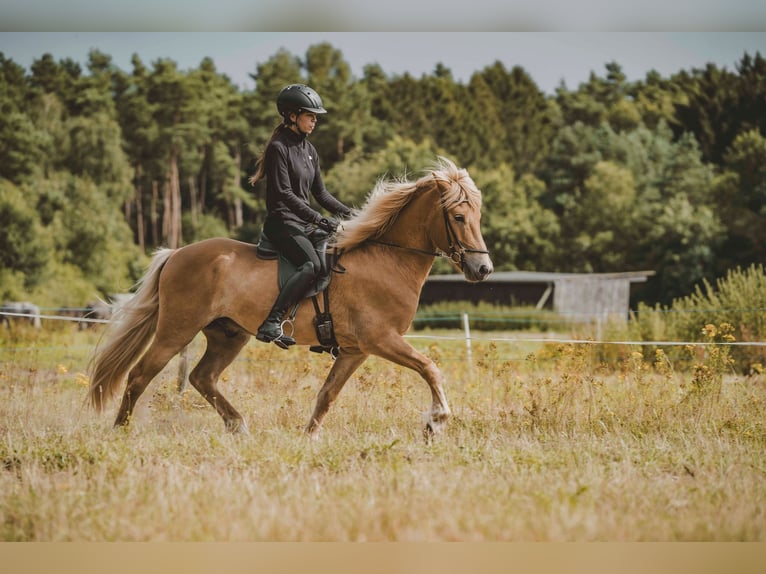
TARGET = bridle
(457,250)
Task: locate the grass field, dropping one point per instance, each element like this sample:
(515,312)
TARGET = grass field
(548,443)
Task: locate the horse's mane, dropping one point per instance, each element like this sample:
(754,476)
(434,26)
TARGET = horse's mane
(390,196)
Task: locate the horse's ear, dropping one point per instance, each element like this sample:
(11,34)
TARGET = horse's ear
(436,182)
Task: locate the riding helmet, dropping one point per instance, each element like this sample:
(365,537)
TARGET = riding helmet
(297,98)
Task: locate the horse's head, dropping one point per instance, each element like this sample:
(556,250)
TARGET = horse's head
(460,237)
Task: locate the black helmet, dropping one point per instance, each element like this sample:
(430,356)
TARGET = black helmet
(297,98)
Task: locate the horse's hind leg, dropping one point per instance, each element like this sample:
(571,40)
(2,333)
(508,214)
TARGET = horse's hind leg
(183,369)
(345,365)
(152,362)
(223,345)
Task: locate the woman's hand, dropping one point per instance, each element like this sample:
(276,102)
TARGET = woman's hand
(328,224)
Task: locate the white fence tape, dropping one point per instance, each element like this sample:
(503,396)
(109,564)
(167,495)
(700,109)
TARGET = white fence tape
(53,317)
(467,335)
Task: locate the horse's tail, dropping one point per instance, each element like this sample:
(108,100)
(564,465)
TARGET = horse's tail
(127,337)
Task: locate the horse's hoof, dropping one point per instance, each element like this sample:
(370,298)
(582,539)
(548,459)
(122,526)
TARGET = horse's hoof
(238,427)
(428,433)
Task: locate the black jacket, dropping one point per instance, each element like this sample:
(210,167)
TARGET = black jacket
(292,172)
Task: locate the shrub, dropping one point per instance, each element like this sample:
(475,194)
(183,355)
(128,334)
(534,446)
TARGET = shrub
(738,299)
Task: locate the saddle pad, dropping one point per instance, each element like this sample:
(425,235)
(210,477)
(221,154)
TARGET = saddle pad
(266,250)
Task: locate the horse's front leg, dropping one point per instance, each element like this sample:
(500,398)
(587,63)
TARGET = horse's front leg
(394,348)
(436,420)
(346,363)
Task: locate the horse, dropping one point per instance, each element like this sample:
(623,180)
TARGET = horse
(220,286)
(95,312)
(20,310)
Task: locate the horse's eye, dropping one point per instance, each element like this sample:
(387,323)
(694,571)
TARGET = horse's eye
(460,218)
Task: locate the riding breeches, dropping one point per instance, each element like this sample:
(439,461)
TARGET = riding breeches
(294,245)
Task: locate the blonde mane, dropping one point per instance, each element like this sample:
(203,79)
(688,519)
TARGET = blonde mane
(390,196)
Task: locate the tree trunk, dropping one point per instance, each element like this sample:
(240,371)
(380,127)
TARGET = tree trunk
(238,215)
(139,205)
(166,212)
(174,240)
(153,216)
(193,208)
(203,180)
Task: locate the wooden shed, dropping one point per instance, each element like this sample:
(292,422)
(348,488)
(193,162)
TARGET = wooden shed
(579,295)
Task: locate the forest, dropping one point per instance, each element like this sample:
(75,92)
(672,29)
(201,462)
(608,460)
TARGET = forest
(100,166)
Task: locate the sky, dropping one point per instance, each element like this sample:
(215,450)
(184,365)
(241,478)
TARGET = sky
(385,15)
(549,57)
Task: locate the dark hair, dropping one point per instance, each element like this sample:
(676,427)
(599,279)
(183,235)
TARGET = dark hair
(259,168)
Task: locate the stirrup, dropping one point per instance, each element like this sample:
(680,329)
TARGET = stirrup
(332,350)
(282,340)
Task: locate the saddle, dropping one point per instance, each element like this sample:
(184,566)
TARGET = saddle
(319,238)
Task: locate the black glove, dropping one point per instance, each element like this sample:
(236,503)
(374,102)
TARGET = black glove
(345,213)
(328,224)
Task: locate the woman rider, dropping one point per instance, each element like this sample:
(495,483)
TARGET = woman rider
(290,165)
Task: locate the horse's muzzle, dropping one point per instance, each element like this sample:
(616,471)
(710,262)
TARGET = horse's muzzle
(477,267)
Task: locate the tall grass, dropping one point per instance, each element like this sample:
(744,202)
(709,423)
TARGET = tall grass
(737,299)
(547,443)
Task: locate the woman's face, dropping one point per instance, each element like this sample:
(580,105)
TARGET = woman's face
(305,122)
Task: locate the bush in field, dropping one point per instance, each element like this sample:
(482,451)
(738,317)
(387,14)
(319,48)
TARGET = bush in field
(738,299)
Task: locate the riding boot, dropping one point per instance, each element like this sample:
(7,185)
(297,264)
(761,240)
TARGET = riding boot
(291,293)
(271,329)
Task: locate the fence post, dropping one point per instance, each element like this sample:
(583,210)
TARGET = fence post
(467,330)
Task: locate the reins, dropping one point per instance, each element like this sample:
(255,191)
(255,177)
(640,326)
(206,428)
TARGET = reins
(405,248)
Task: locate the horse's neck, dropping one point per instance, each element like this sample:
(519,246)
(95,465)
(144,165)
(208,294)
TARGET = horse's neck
(411,228)
(410,232)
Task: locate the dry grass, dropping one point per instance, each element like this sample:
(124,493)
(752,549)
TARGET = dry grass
(546,444)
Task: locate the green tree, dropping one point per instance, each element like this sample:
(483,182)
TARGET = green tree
(740,193)
(706,111)
(22,144)
(181,136)
(519,232)
(24,247)
(91,235)
(680,243)
(601,99)
(655,100)
(140,134)
(349,115)
(529,120)
(381,106)
(606,218)
(353,179)
(215,168)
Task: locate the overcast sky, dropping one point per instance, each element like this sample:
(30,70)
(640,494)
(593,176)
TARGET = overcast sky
(549,57)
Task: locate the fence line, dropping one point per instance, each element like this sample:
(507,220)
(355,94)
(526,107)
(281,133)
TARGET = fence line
(465,319)
(53,317)
(589,341)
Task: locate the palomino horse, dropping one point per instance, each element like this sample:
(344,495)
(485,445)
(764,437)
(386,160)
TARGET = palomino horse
(222,288)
